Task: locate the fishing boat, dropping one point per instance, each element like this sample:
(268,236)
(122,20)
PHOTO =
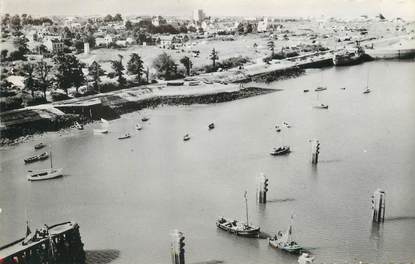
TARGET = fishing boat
(211,126)
(277,128)
(305,258)
(285,242)
(367,90)
(40,145)
(321,106)
(186,137)
(45,174)
(349,57)
(280,151)
(125,136)
(104,127)
(306,90)
(239,228)
(145,119)
(320,88)
(35,158)
(138,127)
(79,126)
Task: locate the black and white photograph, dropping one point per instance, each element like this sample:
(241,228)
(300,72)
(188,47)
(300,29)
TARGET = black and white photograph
(207,131)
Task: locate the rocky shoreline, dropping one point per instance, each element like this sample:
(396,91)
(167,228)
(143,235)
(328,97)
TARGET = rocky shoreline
(112,110)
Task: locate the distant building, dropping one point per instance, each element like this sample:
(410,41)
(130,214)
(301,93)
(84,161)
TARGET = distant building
(158,20)
(86,48)
(54,44)
(263,25)
(199,15)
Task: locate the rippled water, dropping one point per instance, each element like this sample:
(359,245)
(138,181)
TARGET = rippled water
(128,195)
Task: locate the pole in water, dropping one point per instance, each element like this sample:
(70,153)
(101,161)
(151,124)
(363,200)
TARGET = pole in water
(315,151)
(177,247)
(262,188)
(246,207)
(378,206)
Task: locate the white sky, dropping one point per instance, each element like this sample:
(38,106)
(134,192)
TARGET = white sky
(305,8)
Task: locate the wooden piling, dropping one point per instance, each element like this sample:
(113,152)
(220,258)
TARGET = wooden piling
(378,206)
(262,188)
(177,247)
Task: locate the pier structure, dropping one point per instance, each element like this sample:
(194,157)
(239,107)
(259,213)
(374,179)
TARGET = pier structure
(378,206)
(315,151)
(177,247)
(60,243)
(262,189)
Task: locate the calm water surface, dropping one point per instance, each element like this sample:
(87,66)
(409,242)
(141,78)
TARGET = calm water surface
(128,195)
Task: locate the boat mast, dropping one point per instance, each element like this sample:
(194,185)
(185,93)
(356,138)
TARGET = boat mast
(51,164)
(246,207)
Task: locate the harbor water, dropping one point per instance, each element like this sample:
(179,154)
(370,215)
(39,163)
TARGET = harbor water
(128,195)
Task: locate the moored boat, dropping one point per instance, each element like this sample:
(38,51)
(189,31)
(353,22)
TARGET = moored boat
(348,57)
(321,106)
(45,174)
(186,137)
(280,151)
(305,258)
(40,145)
(125,136)
(35,158)
(320,88)
(367,90)
(211,126)
(239,228)
(79,126)
(285,242)
(138,127)
(104,127)
(145,119)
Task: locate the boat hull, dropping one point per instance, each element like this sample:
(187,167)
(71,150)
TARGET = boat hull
(45,175)
(236,229)
(292,249)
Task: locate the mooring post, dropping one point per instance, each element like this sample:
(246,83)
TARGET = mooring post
(378,206)
(315,151)
(177,247)
(262,188)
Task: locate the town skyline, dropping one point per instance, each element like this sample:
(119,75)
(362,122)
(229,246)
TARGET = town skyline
(246,8)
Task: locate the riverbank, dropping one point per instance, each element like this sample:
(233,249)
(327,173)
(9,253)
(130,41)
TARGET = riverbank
(18,124)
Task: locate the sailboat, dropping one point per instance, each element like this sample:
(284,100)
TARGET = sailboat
(104,127)
(284,241)
(367,90)
(45,174)
(239,228)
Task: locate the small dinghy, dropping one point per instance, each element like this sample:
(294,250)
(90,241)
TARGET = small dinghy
(306,90)
(211,126)
(79,126)
(321,106)
(125,136)
(40,146)
(138,127)
(145,119)
(186,137)
(320,88)
(280,151)
(305,258)
(367,90)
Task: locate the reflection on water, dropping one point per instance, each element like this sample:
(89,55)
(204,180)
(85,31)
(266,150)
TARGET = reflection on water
(130,194)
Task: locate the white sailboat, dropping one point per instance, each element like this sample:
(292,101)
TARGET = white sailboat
(367,90)
(45,174)
(104,127)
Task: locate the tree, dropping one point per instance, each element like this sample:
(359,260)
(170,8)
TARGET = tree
(165,66)
(29,82)
(42,72)
(69,71)
(95,71)
(128,25)
(15,22)
(117,17)
(118,70)
(214,57)
(187,63)
(4,54)
(108,18)
(271,47)
(135,66)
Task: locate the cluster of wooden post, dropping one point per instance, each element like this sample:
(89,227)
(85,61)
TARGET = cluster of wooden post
(378,206)
(177,247)
(262,188)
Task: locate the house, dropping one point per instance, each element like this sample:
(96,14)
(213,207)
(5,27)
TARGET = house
(121,42)
(263,25)
(54,44)
(104,41)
